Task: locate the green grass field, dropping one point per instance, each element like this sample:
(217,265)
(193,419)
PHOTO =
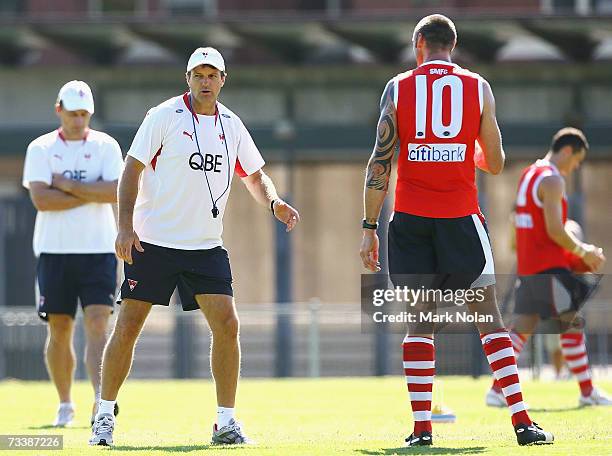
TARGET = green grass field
(358,416)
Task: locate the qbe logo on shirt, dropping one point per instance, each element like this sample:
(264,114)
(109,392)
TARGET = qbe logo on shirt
(442,153)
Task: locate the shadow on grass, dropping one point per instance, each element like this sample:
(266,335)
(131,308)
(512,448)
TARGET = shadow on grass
(58,428)
(179,448)
(559,409)
(423,450)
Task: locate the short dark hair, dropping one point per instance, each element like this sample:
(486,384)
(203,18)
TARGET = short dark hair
(569,136)
(437,30)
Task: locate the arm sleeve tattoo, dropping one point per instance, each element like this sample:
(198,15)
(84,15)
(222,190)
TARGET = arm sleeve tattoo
(379,166)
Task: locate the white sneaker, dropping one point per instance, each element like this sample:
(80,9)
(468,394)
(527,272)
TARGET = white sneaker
(596,397)
(102,431)
(497,399)
(65,415)
(230,434)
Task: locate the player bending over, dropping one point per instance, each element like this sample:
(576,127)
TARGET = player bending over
(548,250)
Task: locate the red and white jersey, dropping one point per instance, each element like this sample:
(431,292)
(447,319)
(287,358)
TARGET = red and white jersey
(173,207)
(439,106)
(535,250)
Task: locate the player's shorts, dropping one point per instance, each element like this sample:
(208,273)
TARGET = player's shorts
(552,292)
(454,252)
(64,279)
(155,273)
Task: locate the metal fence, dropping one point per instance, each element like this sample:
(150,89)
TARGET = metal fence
(326,340)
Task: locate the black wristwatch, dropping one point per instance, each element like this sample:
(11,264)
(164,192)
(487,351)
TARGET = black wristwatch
(272,205)
(369,226)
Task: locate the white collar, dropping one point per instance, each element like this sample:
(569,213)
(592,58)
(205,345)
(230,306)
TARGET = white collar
(544,162)
(440,62)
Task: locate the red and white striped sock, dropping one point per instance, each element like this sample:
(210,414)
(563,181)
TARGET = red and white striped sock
(574,351)
(500,354)
(419,368)
(518,342)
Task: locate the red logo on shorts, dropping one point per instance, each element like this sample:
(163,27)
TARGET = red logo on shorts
(132,284)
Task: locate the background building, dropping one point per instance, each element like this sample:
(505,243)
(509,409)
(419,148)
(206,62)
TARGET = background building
(306,77)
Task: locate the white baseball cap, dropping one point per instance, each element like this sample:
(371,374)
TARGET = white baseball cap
(76,95)
(206,56)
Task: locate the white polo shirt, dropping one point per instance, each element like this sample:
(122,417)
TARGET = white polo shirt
(89,228)
(173,207)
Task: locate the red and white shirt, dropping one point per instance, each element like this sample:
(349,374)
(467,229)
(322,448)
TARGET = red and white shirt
(439,106)
(535,250)
(89,228)
(173,207)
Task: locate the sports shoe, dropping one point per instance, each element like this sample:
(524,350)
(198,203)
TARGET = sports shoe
(65,415)
(497,399)
(596,397)
(423,439)
(95,412)
(532,435)
(102,432)
(230,434)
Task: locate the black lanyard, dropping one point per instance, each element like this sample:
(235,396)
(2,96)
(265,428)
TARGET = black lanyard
(215,209)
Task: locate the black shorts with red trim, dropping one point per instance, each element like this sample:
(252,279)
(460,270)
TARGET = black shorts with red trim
(155,273)
(448,253)
(553,292)
(65,279)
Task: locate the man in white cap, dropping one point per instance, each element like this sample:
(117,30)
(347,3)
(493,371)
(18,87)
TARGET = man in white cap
(72,175)
(184,155)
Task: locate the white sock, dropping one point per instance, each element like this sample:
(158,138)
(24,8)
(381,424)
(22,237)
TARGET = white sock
(107,407)
(69,405)
(224,416)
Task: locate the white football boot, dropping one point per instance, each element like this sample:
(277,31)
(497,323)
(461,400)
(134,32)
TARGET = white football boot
(596,397)
(65,415)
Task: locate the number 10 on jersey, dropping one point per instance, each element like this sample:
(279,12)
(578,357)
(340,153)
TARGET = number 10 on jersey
(438,128)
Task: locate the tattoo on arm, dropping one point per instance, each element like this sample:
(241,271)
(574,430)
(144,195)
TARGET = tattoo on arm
(379,166)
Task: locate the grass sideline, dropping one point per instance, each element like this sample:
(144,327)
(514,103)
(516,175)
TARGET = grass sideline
(357,416)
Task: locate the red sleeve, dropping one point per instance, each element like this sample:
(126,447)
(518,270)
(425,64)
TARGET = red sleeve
(238,169)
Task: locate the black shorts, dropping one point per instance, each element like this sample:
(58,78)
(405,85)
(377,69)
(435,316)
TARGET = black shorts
(66,278)
(155,273)
(453,253)
(552,292)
